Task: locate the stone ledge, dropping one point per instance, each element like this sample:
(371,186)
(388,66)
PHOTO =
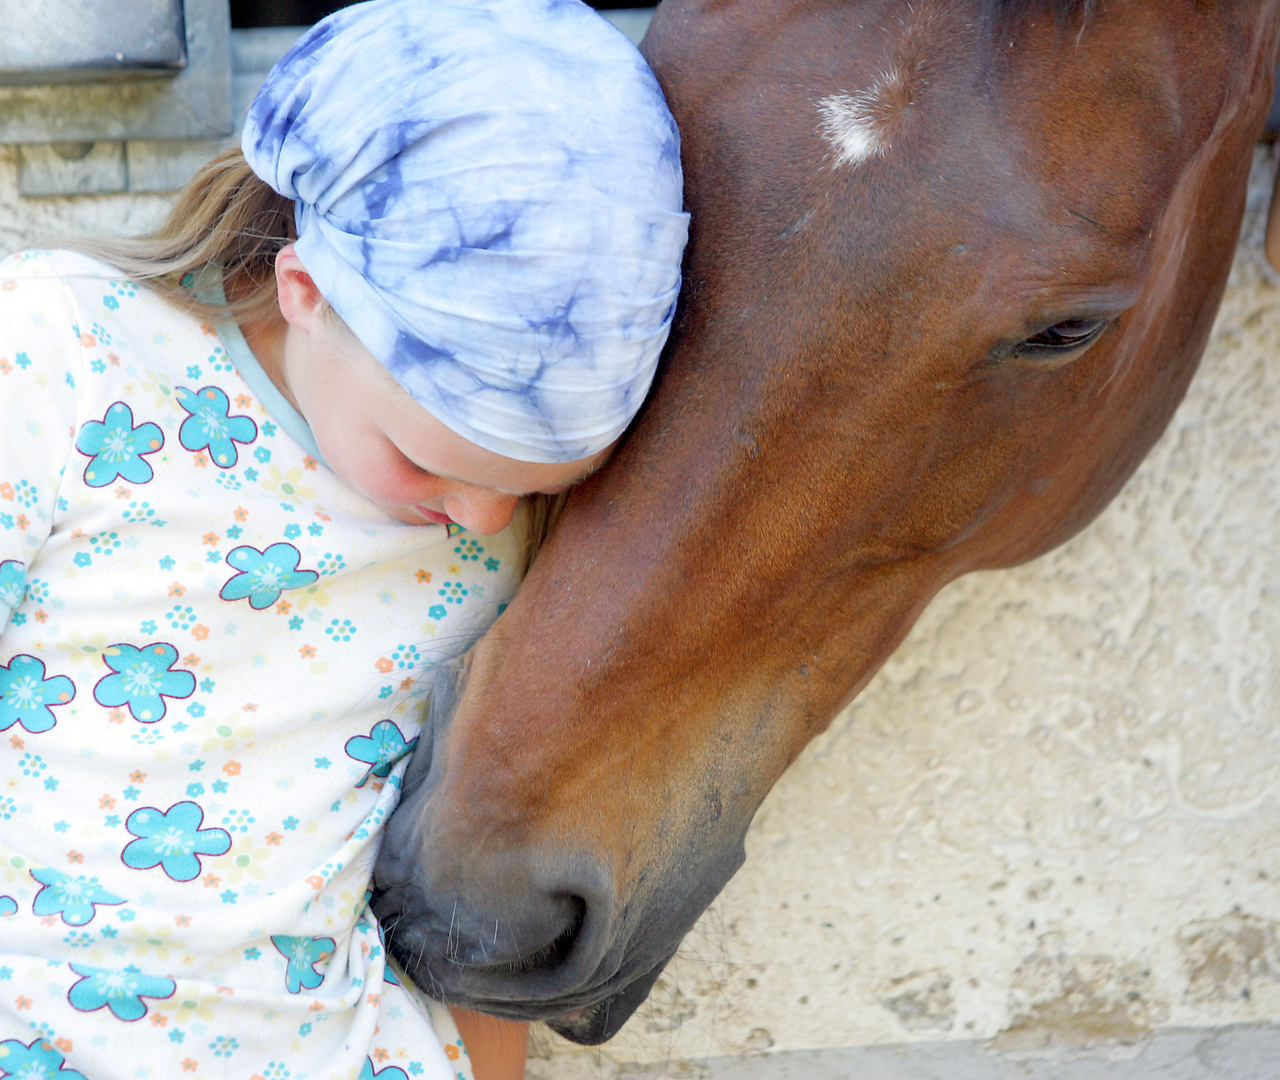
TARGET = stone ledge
(1250,1052)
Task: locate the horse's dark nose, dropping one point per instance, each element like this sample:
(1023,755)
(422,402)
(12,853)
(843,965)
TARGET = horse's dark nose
(486,927)
(475,912)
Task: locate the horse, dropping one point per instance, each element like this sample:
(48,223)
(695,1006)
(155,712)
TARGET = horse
(952,266)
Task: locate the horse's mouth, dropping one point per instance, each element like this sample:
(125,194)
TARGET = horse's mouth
(601,1022)
(588,1024)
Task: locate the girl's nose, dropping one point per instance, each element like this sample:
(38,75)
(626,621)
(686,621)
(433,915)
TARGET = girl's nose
(481,510)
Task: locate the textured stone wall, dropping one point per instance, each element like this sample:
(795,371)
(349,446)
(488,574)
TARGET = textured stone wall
(33,222)
(1051,823)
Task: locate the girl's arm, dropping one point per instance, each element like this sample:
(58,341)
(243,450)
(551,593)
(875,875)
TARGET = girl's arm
(497,1048)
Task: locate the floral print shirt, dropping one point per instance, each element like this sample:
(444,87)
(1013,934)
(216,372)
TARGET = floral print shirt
(213,661)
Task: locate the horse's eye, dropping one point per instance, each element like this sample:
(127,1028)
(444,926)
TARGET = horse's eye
(1063,337)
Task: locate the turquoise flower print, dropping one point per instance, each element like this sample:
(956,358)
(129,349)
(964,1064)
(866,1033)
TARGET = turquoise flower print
(303,953)
(172,840)
(331,563)
(139,512)
(116,448)
(8,906)
(141,679)
(264,575)
(210,427)
(406,656)
(13,582)
(28,698)
(72,898)
(36,1060)
(341,630)
(469,550)
(105,543)
(453,592)
(224,1046)
(380,749)
(391,1072)
(120,991)
(24,493)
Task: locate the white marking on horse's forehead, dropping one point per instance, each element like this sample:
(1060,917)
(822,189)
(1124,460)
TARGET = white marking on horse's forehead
(857,125)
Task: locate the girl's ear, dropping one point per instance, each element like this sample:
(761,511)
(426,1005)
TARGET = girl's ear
(300,300)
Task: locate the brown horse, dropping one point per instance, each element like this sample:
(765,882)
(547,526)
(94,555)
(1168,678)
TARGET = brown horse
(952,267)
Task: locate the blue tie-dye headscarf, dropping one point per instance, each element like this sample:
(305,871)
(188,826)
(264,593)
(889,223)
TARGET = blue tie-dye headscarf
(488,192)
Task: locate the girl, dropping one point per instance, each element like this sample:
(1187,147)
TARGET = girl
(256,478)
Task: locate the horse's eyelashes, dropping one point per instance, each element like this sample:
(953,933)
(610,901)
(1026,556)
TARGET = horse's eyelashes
(1061,338)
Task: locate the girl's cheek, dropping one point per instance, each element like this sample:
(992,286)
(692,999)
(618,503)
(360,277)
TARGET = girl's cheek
(377,470)
(390,479)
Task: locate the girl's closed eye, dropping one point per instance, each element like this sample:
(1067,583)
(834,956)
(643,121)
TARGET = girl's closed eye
(381,441)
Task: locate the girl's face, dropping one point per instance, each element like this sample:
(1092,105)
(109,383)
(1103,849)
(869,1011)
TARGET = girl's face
(377,438)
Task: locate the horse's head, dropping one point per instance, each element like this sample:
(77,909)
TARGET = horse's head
(953,263)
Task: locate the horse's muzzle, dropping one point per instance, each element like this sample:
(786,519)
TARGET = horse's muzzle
(482,908)
(516,934)
(512,929)
(545,957)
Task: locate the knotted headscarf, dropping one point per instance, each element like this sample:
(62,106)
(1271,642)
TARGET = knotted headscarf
(488,192)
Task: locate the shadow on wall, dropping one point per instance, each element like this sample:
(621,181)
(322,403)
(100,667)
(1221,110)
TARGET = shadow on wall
(247,14)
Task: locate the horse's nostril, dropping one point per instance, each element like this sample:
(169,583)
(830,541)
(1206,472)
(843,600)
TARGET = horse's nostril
(503,936)
(517,934)
(556,952)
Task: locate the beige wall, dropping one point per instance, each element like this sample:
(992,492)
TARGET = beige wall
(1051,822)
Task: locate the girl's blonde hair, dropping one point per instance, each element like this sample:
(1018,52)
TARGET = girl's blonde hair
(228,217)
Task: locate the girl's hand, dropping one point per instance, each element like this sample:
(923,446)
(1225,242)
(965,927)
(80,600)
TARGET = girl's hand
(497,1048)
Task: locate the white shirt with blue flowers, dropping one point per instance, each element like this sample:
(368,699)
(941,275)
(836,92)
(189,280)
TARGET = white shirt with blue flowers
(213,657)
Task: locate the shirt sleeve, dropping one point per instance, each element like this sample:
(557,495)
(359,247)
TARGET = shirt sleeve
(39,369)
